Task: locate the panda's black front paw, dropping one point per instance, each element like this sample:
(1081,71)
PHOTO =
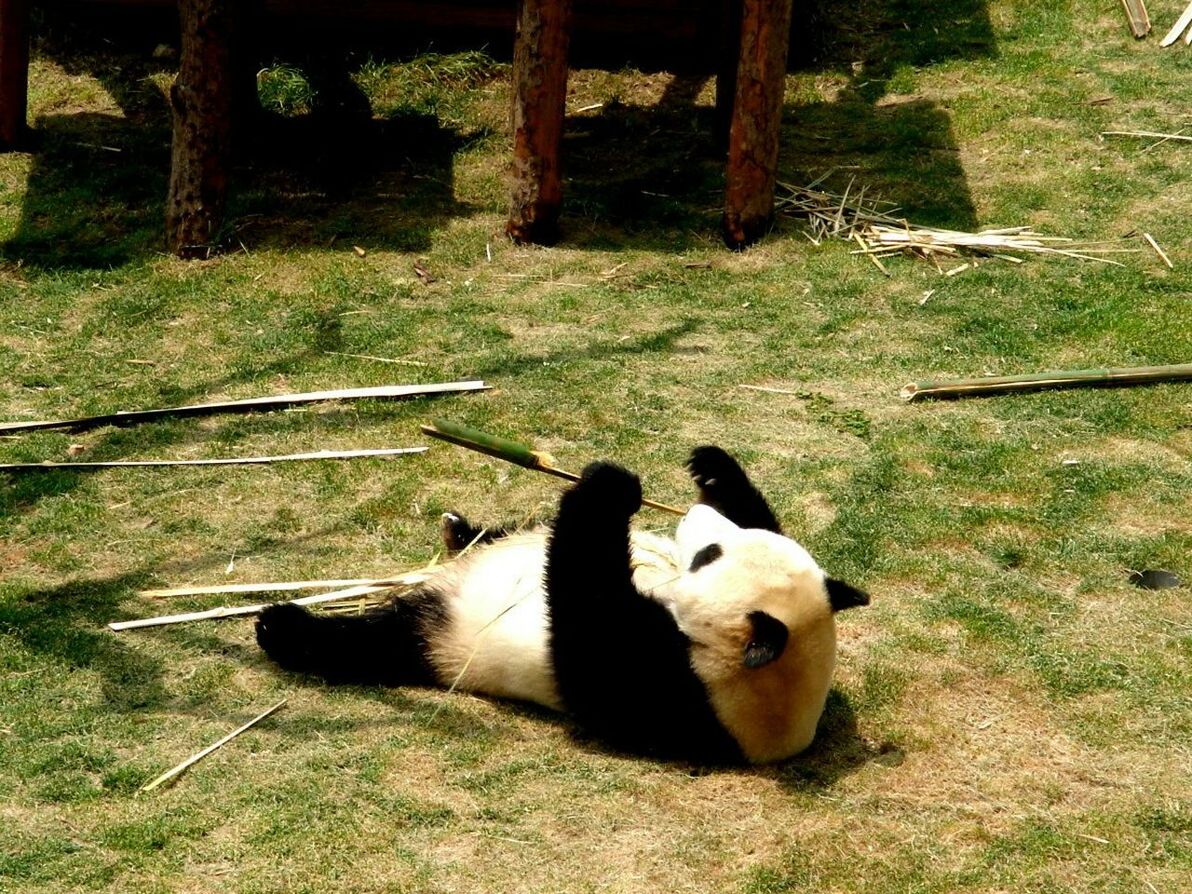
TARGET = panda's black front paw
(605,485)
(715,472)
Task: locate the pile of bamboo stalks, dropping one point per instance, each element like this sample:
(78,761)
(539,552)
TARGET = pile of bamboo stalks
(880,233)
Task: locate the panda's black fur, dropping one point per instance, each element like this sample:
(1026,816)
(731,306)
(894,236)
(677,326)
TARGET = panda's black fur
(622,666)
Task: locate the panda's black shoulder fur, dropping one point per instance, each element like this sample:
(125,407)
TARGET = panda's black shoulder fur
(621,663)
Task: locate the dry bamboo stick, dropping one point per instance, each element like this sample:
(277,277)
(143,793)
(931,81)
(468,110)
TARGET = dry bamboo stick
(245,406)
(278,587)
(234,611)
(769,390)
(1160,252)
(378,359)
(195,758)
(235,461)
(1038,381)
(1178,28)
(1147,134)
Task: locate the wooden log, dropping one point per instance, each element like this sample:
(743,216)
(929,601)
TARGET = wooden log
(202,97)
(539,98)
(757,113)
(14,72)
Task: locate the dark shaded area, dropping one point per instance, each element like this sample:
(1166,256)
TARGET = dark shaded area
(837,751)
(66,624)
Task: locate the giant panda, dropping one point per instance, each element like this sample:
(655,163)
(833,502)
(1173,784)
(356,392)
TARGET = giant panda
(716,646)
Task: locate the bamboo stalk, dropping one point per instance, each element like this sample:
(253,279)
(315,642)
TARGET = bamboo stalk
(1177,29)
(195,758)
(1039,381)
(235,461)
(512,452)
(246,406)
(236,611)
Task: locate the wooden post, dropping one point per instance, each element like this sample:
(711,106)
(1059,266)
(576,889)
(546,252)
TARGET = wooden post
(539,99)
(201,97)
(757,113)
(14,72)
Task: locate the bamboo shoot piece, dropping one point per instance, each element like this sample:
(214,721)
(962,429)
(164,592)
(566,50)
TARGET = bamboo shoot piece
(245,406)
(512,452)
(234,461)
(1085,378)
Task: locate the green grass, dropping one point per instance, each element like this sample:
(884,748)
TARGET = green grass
(1009,715)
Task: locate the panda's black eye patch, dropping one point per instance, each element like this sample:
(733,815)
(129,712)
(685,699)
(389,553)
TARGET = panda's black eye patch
(706,556)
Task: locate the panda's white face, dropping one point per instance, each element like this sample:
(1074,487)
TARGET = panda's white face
(728,569)
(756,608)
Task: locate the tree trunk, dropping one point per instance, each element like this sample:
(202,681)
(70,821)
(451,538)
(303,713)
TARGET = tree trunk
(757,113)
(539,100)
(14,72)
(201,97)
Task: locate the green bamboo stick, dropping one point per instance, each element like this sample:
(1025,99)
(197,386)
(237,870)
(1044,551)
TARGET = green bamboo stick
(511,451)
(1080,378)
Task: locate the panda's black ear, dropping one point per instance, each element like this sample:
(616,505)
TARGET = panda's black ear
(843,596)
(766,642)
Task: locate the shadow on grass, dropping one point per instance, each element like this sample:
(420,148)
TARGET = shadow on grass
(66,624)
(95,194)
(642,176)
(837,751)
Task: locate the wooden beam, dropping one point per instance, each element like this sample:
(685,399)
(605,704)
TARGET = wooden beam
(539,98)
(14,72)
(757,113)
(201,97)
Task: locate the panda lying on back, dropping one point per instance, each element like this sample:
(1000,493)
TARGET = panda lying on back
(717,646)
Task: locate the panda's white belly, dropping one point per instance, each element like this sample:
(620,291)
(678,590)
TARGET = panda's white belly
(496,636)
(496,640)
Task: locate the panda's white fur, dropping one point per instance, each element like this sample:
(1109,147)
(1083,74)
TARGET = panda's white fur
(718,642)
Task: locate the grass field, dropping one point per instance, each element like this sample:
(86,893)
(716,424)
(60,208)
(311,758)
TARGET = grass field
(1010,715)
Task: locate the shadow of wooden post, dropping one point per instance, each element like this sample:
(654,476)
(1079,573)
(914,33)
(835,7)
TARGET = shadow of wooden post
(14,72)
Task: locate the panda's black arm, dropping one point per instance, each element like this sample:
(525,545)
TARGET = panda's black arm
(621,663)
(725,487)
(588,558)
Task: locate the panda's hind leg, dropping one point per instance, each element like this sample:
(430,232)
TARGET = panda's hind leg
(388,645)
(459,533)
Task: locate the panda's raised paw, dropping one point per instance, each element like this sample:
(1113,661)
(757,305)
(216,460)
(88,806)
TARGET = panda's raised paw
(607,485)
(712,469)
